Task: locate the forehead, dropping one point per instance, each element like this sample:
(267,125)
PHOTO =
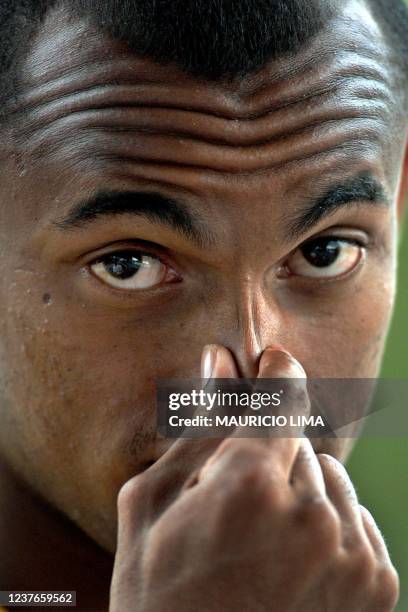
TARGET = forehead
(88,101)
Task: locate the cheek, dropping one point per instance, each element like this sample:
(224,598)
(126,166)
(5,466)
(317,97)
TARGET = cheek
(81,396)
(349,343)
(80,380)
(346,338)
(369,324)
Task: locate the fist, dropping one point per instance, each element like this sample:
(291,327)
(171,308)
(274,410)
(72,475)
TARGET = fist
(249,524)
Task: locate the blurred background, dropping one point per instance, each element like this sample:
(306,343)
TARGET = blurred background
(379,466)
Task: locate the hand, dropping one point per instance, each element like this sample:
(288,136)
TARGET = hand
(262,525)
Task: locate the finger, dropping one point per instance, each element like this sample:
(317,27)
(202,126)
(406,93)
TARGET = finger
(275,363)
(307,477)
(286,372)
(217,362)
(280,450)
(375,536)
(341,493)
(180,464)
(285,441)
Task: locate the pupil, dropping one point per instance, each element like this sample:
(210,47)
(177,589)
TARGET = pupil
(123,266)
(321,253)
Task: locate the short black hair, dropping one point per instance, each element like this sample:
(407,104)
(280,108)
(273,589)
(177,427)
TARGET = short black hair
(210,39)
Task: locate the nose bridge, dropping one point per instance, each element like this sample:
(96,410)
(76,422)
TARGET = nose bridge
(257,327)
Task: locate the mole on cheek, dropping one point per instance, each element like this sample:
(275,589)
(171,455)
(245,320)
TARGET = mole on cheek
(47,299)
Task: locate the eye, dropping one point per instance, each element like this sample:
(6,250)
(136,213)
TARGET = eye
(132,270)
(325,257)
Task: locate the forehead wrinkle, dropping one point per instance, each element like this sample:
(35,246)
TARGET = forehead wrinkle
(175,189)
(353,103)
(208,98)
(246,97)
(102,161)
(355,98)
(222,142)
(95,75)
(252,100)
(292,177)
(82,44)
(325,79)
(363,90)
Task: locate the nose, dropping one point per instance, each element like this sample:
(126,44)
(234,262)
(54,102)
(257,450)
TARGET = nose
(258,325)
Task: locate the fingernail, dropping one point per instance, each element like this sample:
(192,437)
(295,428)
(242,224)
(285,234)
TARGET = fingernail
(277,347)
(296,367)
(208,360)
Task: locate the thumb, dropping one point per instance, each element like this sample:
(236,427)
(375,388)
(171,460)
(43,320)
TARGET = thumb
(217,362)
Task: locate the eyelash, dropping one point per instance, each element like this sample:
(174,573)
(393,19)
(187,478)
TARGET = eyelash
(329,237)
(283,271)
(362,245)
(141,250)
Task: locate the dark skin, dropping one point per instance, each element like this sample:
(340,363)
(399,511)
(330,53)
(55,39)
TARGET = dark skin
(245,161)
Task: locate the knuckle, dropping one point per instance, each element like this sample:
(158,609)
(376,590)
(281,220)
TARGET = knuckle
(325,458)
(130,495)
(244,458)
(242,476)
(336,468)
(363,566)
(320,523)
(367,515)
(336,474)
(249,487)
(387,589)
(237,449)
(232,504)
(251,481)
(330,462)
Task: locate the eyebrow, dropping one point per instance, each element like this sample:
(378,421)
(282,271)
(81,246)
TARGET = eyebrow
(361,188)
(154,206)
(167,211)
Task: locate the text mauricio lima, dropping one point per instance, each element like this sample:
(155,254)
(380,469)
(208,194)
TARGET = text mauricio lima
(248,421)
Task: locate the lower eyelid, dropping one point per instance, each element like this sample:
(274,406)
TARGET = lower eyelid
(286,272)
(344,275)
(169,276)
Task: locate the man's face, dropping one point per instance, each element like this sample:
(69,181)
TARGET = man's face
(246,181)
